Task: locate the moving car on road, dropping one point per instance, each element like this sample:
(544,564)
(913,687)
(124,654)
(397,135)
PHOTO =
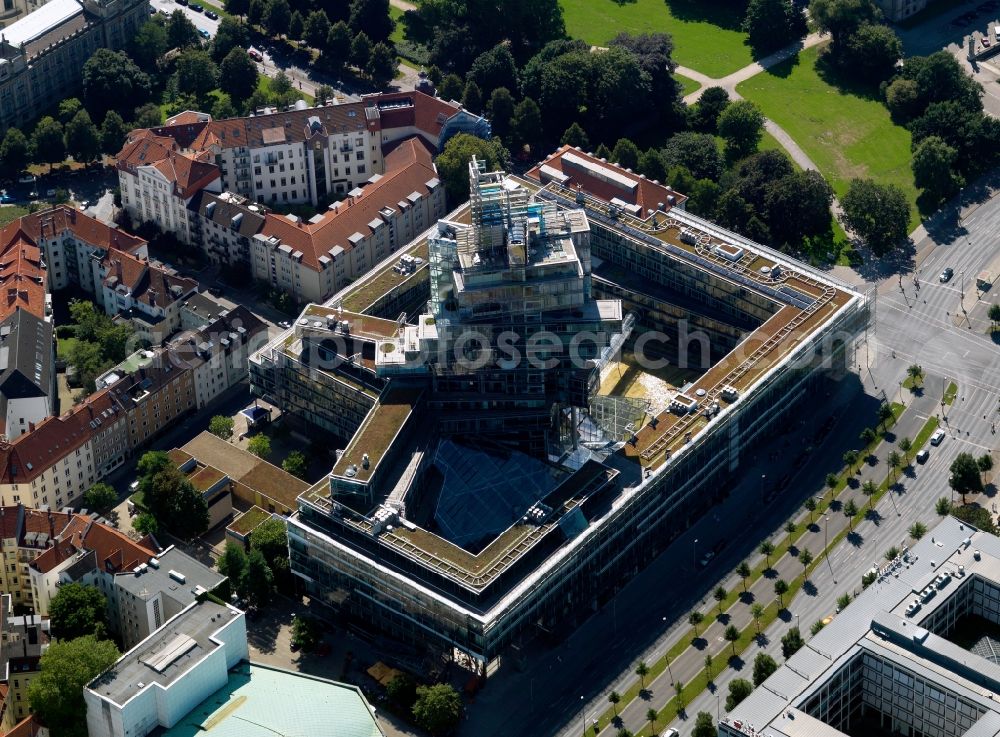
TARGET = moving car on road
(937,437)
(946,275)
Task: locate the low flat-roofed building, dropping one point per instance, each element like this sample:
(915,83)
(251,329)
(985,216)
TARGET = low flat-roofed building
(915,653)
(255,481)
(162,679)
(260,701)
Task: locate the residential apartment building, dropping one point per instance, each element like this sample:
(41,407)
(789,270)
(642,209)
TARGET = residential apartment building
(312,260)
(147,294)
(914,654)
(218,353)
(163,678)
(26,534)
(158,180)
(27,372)
(224,226)
(54,462)
(23,641)
(153,397)
(42,54)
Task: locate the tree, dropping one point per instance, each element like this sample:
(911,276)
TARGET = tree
(840,18)
(732,635)
(704,726)
(372,18)
(316,28)
(453,162)
(797,206)
(306,633)
(741,125)
(771,24)
(942,506)
(869,489)
(148,45)
(100,496)
(843,602)
(238,75)
(651,716)
(819,624)
(277,17)
(177,504)
(850,458)
(651,165)
(704,116)
(902,97)
(892,553)
(451,88)
(361,51)
(500,110)
(850,511)
(884,414)
(743,571)
(965,476)
(613,698)
(894,460)
(145,524)
(766,549)
(47,141)
(917,530)
(526,124)
(763,666)
(879,213)
(790,527)
(805,558)
(868,436)
(757,611)
(232,563)
(993,313)
(78,610)
(68,108)
(976,516)
(791,643)
(402,690)
(933,168)
(255,12)
(625,154)
(575,136)
(270,539)
(871,52)
(236,7)
(231,34)
(296,26)
(13,152)
(295,464)
(148,116)
(494,69)
(695,619)
(113,133)
(642,670)
(221,426)
(679,690)
(112,81)
(810,502)
(56,693)
(472,98)
(739,689)
(697,152)
(708,668)
(780,589)
(151,462)
(196,72)
(181,32)
(257,580)
(905,445)
(985,462)
(654,54)
(720,595)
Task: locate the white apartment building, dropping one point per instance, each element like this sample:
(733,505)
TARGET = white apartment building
(160,680)
(150,295)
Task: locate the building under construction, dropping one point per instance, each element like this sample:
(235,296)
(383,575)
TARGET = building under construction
(509,457)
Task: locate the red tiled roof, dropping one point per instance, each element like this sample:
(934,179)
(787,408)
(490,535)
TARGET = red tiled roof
(645,192)
(407,169)
(22,273)
(158,147)
(114,550)
(54,438)
(149,284)
(61,218)
(427,113)
(27,727)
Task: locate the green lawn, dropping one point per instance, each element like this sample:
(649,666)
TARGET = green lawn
(688,85)
(64,347)
(706,34)
(9,213)
(848,135)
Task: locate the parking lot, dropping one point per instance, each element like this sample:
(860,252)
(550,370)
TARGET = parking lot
(87,184)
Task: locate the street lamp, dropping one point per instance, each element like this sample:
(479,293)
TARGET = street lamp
(762,477)
(797,623)
(666,656)
(583,716)
(694,554)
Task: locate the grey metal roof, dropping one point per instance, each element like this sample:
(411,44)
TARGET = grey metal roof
(25,356)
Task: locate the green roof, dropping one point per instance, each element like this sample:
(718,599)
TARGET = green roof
(259,701)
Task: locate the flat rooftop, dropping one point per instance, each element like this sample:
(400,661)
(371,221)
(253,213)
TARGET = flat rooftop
(361,325)
(171,566)
(377,432)
(165,656)
(259,701)
(882,621)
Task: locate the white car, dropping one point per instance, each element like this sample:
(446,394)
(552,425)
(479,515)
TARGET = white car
(937,437)
(134,486)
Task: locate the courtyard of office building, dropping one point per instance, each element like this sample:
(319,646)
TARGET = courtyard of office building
(484,498)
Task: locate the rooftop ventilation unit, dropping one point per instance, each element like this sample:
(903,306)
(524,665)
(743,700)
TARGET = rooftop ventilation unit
(178,577)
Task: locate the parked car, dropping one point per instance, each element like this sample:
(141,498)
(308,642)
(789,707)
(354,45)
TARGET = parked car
(5,198)
(196,7)
(923,455)
(27,179)
(255,54)
(671,732)
(32,195)
(946,275)
(211,14)
(204,34)
(937,437)
(706,558)
(50,193)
